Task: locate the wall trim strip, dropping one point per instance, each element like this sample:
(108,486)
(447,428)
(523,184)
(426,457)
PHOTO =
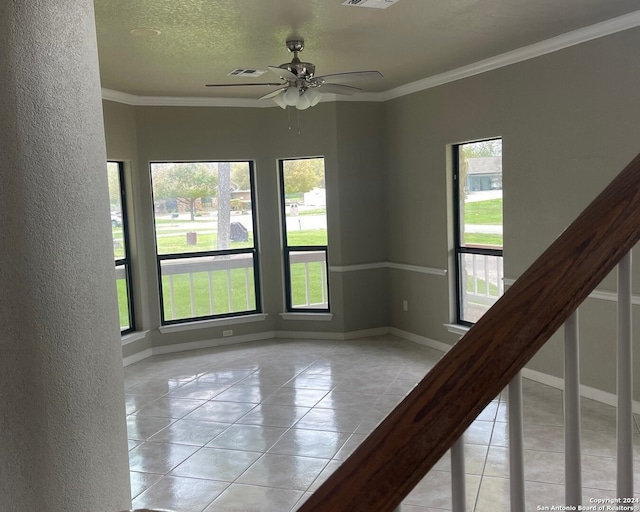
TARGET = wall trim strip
(388,264)
(596,294)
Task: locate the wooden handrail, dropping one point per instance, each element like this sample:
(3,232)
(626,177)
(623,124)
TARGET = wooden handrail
(419,431)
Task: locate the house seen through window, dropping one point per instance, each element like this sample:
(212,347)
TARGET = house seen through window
(304,221)
(478,227)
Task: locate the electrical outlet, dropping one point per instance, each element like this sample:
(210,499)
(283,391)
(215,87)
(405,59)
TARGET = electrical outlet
(227,333)
(405,305)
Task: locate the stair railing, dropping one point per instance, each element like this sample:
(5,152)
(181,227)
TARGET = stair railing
(433,417)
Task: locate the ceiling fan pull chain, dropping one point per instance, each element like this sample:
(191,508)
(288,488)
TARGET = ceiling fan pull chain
(299,130)
(289,117)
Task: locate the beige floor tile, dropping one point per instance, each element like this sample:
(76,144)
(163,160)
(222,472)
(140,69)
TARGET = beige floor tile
(158,457)
(197,433)
(284,471)
(435,491)
(310,443)
(310,404)
(177,493)
(248,437)
(251,498)
(216,464)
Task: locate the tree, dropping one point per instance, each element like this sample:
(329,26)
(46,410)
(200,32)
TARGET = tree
(240,176)
(483,148)
(113,176)
(224,205)
(303,175)
(185,182)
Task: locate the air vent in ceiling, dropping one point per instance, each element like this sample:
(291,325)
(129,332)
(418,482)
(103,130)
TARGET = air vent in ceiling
(247,72)
(376,4)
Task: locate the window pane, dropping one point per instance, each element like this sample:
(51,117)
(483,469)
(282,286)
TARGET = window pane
(305,202)
(207,286)
(123,296)
(308,279)
(481,284)
(202,206)
(115,201)
(480,165)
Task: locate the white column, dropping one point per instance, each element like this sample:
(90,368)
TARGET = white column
(458,476)
(572,435)
(516,445)
(624,483)
(62,428)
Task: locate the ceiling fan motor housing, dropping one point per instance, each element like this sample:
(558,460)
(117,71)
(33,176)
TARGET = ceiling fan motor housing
(303,70)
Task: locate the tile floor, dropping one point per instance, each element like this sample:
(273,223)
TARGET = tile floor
(258,426)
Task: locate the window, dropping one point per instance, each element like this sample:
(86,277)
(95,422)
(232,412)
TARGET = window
(304,221)
(118,204)
(205,239)
(478,227)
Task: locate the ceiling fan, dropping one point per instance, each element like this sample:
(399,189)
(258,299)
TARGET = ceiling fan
(299,87)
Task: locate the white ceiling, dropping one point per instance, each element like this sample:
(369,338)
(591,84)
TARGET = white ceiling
(201,41)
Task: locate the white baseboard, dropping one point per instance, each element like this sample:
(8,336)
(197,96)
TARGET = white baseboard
(139,356)
(422,340)
(585,391)
(366,333)
(333,336)
(217,342)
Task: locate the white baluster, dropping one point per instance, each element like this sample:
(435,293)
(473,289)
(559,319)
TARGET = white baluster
(229,291)
(193,295)
(474,272)
(307,282)
(172,296)
(458,488)
(247,289)
(516,445)
(323,284)
(487,287)
(572,460)
(211,304)
(624,484)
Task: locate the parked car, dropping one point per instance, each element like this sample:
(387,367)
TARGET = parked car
(116,219)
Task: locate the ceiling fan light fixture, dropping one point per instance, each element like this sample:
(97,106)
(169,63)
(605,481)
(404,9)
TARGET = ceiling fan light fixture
(279,99)
(291,96)
(304,101)
(314,96)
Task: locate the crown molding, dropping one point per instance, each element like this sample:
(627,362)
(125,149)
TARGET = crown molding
(177,101)
(531,51)
(573,38)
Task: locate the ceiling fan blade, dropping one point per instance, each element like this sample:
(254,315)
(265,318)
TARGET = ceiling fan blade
(353,76)
(339,89)
(285,74)
(272,94)
(240,85)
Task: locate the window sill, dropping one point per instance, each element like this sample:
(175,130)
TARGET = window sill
(324,317)
(457,329)
(206,324)
(132,337)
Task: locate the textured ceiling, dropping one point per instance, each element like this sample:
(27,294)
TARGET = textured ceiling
(200,41)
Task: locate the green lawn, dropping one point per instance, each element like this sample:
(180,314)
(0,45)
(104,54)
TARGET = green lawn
(201,280)
(489,239)
(483,212)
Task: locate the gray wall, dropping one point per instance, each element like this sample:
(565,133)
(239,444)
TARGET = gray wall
(355,187)
(569,123)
